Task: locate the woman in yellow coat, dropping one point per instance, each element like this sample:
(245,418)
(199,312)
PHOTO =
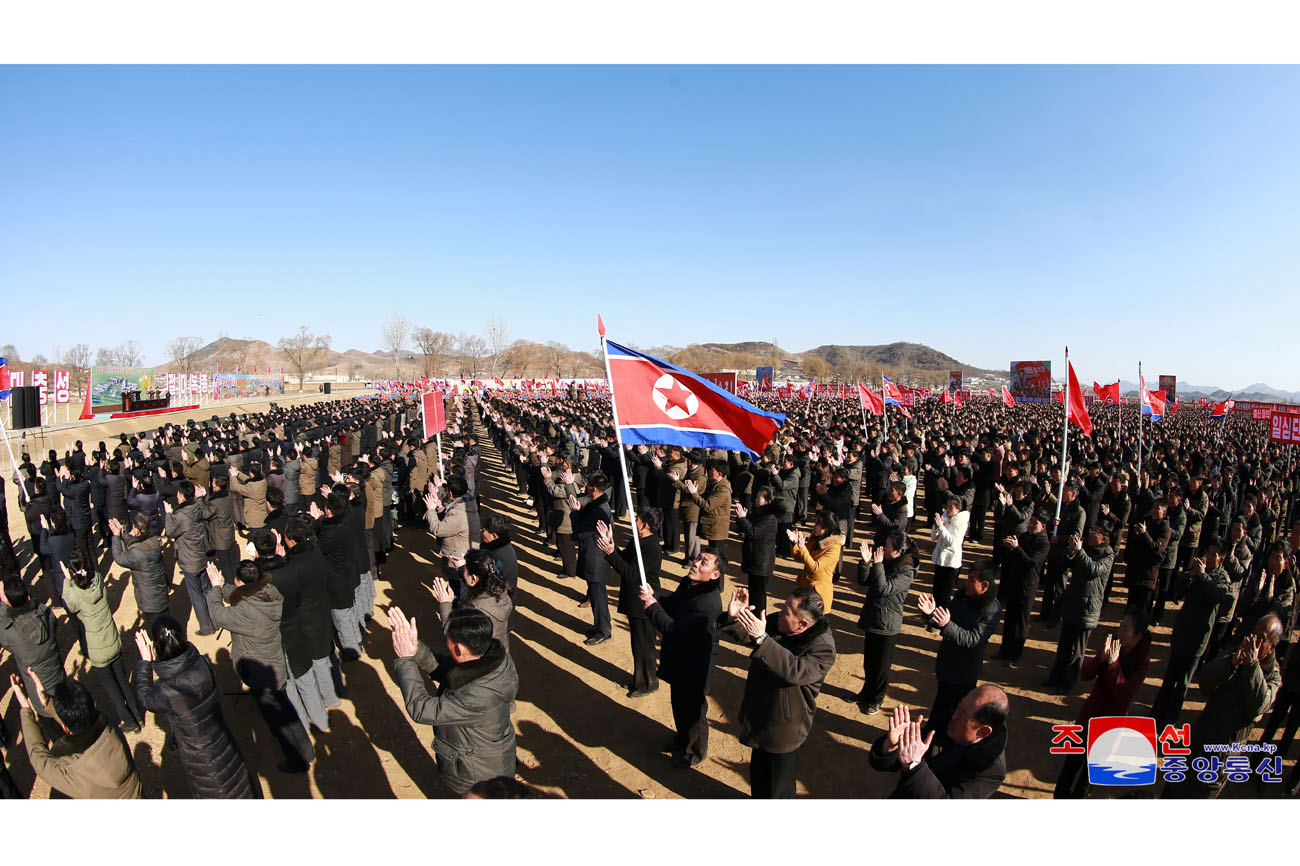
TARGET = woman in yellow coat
(819,555)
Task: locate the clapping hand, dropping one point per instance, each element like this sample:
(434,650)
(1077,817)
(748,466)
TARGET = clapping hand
(604,537)
(876,509)
(1247,653)
(796,537)
(926,603)
(214,576)
(20,691)
(314,510)
(1073,544)
(739,601)
(865,549)
(144,645)
(200,490)
(752,624)
(406,638)
(912,747)
(900,721)
(941,616)
(691,487)
(672,475)
(572,502)
(114,526)
(566,477)
(741,511)
(431,501)
(1011,542)
(442,591)
(545,471)
(1110,652)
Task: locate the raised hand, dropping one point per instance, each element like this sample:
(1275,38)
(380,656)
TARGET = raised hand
(144,645)
(442,591)
(648,599)
(741,511)
(912,747)
(406,638)
(899,722)
(753,625)
(738,602)
(672,474)
(879,556)
(925,602)
(20,691)
(941,616)
(566,477)
(1011,542)
(545,472)
(1111,650)
(691,487)
(572,502)
(214,576)
(865,550)
(314,510)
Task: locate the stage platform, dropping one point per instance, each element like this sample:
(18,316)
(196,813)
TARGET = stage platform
(145,412)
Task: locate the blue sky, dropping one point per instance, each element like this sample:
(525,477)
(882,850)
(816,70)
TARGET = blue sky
(994,213)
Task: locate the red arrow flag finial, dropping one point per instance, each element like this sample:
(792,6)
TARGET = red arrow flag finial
(600,324)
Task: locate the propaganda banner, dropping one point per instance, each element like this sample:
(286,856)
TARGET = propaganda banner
(725,381)
(1284,427)
(1169,384)
(1031,381)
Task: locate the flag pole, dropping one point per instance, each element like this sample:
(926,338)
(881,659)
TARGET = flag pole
(1218,437)
(13,462)
(1065,441)
(884,406)
(622,463)
(1142,387)
(1120,434)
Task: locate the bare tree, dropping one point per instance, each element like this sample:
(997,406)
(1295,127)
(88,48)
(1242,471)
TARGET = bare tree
(436,346)
(394,337)
(77,359)
(553,357)
(180,352)
(10,352)
(471,350)
(39,359)
(356,371)
(129,354)
(104,357)
(518,357)
(498,335)
(305,352)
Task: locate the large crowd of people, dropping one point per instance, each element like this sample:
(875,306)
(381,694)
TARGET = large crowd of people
(278,525)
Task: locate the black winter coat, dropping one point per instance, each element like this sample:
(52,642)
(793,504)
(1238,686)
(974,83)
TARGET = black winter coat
(629,584)
(948,773)
(150,577)
(758,531)
(76,501)
(887,585)
(335,545)
(1022,567)
(592,566)
(311,573)
(966,637)
(507,561)
(186,692)
(687,619)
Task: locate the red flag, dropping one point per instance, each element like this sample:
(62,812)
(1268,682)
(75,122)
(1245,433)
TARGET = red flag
(500,384)
(871,401)
(1076,410)
(1106,393)
(1223,408)
(1007,399)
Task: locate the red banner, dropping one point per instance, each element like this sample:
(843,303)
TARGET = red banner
(1284,427)
(725,381)
(434,420)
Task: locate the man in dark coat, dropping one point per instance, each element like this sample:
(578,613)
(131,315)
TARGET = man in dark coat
(473,736)
(1023,557)
(758,531)
(1206,585)
(1147,540)
(592,565)
(75,490)
(140,552)
(792,651)
(965,628)
(644,661)
(969,765)
(887,574)
(687,619)
(335,543)
(1071,524)
(1081,605)
(189,534)
(892,514)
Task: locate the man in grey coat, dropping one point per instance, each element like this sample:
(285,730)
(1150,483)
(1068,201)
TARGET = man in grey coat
(189,534)
(473,735)
(27,630)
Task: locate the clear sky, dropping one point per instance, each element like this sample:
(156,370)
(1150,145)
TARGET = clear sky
(994,213)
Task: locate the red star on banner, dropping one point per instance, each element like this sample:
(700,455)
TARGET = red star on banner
(674,400)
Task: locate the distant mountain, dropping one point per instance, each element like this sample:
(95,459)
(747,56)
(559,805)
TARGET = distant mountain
(900,356)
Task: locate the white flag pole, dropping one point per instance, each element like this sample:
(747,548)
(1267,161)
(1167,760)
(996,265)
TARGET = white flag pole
(618,437)
(1142,387)
(1065,442)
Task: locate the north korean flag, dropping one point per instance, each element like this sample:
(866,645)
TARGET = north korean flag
(1153,402)
(1221,409)
(808,390)
(658,403)
(893,396)
(4,378)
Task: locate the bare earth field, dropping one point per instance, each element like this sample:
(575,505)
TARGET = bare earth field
(578,735)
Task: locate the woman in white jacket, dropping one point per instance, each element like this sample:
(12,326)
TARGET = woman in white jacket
(948,532)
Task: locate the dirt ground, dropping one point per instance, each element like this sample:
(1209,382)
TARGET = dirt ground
(578,735)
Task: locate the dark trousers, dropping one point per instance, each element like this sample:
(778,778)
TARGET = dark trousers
(758,592)
(1285,709)
(196,587)
(877,656)
(671,529)
(690,717)
(1164,593)
(1071,649)
(1015,625)
(1169,702)
(1139,598)
(772,776)
(1053,589)
(113,680)
(783,545)
(945,578)
(226,561)
(801,505)
(1217,635)
(644,658)
(979,511)
(1073,781)
(599,598)
(946,699)
(285,726)
(568,553)
(83,544)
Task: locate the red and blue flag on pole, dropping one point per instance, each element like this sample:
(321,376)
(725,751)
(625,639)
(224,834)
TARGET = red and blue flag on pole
(659,403)
(1221,409)
(4,378)
(807,391)
(893,396)
(1153,402)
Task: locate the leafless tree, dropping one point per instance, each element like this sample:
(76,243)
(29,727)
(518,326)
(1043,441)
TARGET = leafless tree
(471,350)
(305,352)
(553,356)
(77,359)
(129,354)
(436,347)
(104,357)
(10,352)
(180,352)
(498,337)
(39,359)
(518,357)
(394,337)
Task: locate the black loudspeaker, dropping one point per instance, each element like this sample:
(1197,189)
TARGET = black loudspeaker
(327,387)
(26,403)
